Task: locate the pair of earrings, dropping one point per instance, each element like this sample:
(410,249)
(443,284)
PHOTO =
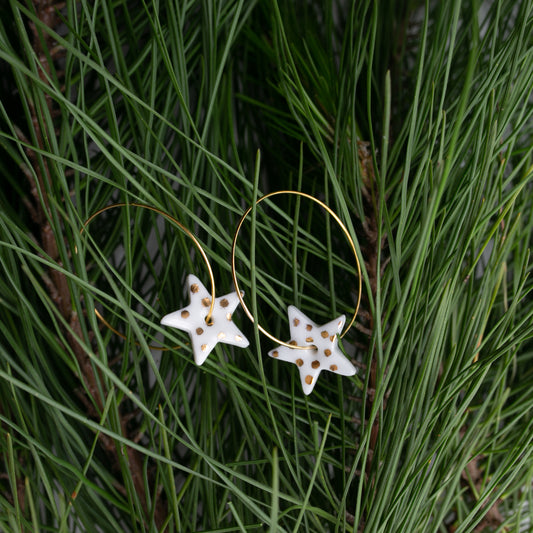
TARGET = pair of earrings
(209,320)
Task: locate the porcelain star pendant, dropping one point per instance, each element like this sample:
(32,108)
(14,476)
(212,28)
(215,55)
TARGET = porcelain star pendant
(191,319)
(327,354)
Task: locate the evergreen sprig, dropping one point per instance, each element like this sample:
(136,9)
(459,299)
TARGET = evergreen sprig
(412,120)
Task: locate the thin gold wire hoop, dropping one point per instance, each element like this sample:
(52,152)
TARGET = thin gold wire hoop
(187,232)
(344,230)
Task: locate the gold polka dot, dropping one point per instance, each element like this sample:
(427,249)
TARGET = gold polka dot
(315,364)
(293,343)
(296,322)
(228,316)
(309,339)
(275,353)
(199,331)
(333,367)
(224,302)
(221,335)
(327,352)
(340,323)
(238,338)
(195,288)
(185,314)
(299,362)
(324,334)
(308,327)
(332,338)
(206,302)
(309,379)
(204,347)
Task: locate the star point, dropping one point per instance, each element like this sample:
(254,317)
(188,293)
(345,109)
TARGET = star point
(192,319)
(326,354)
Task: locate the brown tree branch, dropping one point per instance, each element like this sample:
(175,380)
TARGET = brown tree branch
(372,247)
(40,180)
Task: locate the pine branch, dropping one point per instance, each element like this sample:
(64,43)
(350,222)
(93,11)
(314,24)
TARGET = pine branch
(168,104)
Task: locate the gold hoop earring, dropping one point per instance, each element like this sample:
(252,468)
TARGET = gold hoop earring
(207,319)
(312,347)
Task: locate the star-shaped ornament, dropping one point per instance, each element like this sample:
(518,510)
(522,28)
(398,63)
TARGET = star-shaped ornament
(191,319)
(325,356)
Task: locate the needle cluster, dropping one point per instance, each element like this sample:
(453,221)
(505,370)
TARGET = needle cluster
(411,120)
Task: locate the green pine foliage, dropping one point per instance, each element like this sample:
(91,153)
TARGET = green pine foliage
(411,120)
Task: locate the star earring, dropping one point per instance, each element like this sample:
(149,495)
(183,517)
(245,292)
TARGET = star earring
(323,353)
(312,347)
(207,324)
(207,319)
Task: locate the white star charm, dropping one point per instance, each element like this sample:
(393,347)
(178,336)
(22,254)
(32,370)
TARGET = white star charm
(327,354)
(191,319)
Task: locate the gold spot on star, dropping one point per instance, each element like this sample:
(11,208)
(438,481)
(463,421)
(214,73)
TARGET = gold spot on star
(199,331)
(206,302)
(324,334)
(327,351)
(308,327)
(238,338)
(332,338)
(315,364)
(299,362)
(333,367)
(221,335)
(309,339)
(275,353)
(195,288)
(224,302)
(185,314)
(293,343)
(228,316)
(204,347)
(296,322)
(309,379)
